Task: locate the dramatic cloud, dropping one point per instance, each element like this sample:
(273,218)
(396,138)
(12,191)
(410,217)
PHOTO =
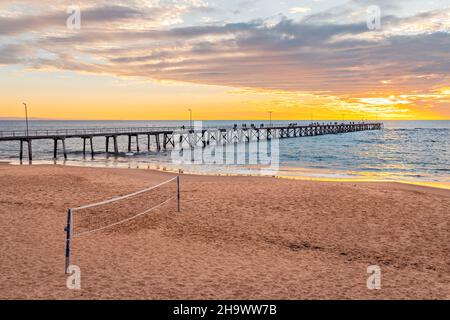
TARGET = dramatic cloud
(331,51)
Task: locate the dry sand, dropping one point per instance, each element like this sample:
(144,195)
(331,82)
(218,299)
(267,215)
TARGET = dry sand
(236,238)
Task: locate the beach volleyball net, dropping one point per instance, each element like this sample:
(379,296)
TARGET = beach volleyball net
(106,214)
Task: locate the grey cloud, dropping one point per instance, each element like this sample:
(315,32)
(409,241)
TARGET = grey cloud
(18,25)
(12,53)
(175,34)
(290,55)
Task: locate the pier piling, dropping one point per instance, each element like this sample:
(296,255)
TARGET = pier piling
(21,150)
(64,148)
(55,148)
(116,146)
(84,147)
(30,151)
(107,144)
(92,146)
(158,145)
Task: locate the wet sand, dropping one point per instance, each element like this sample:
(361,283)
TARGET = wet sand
(236,238)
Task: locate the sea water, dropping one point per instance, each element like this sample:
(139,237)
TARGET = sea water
(403,150)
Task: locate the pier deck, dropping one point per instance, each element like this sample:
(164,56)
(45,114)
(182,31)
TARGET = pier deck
(169,136)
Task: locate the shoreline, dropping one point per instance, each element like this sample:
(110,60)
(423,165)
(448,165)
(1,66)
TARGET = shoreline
(443,185)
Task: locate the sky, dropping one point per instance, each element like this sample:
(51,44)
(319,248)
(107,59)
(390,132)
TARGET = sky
(234,59)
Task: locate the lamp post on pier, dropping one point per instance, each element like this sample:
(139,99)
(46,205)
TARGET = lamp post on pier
(26,115)
(190,118)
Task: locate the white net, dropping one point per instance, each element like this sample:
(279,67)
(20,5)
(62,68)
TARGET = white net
(107,214)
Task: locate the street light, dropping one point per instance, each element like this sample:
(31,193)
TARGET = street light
(270,118)
(26,115)
(190,117)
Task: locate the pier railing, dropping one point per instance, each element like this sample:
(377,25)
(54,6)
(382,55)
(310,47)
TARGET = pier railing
(84,131)
(105,131)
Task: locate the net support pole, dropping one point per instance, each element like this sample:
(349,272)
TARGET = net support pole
(178,193)
(67,229)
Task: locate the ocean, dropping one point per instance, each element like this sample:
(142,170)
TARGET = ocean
(402,151)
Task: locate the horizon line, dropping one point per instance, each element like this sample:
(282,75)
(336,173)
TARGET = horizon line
(273,120)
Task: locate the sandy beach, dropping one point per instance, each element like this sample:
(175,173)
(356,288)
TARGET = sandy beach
(236,238)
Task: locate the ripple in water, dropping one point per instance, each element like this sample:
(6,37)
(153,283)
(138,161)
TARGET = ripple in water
(404,150)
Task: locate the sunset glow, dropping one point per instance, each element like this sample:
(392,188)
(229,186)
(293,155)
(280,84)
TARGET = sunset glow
(225,60)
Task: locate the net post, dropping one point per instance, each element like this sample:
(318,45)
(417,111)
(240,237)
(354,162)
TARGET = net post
(67,229)
(178,193)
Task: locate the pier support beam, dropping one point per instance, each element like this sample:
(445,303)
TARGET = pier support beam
(116,149)
(92,146)
(55,148)
(158,145)
(204,142)
(168,139)
(116,146)
(21,151)
(64,148)
(84,146)
(30,151)
(137,142)
(107,144)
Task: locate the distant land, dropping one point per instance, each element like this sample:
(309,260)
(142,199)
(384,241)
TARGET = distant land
(23,118)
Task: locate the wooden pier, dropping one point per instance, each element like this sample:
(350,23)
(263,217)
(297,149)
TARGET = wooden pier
(170,136)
